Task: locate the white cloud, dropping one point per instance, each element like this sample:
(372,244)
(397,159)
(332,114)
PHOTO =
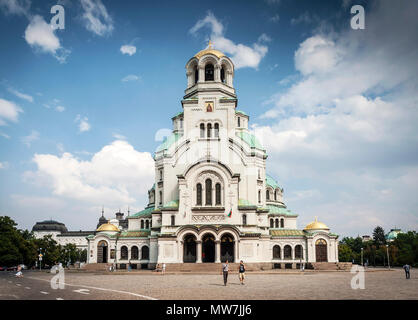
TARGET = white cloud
(130,77)
(60,108)
(346,126)
(27,140)
(116,175)
(242,55)
(16,7)
(9,111)
(264,38)
(4,165)
(118,136)
(21,95)
(128,49)
(96,17)
(41,36)
(275,18)
(83,124)
(4,135)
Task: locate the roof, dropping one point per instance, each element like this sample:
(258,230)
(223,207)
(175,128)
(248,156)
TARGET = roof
(147,211)
(215,52)
(49,225)
(108,227)
(241,112)
(271,182)
(174,204)
(393,234)
(288,233)
(177,114)
(249,139)
(316,225)
(274,209)
(168,142)
(134,234)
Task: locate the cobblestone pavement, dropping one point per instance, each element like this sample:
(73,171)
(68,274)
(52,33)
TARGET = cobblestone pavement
(265,286)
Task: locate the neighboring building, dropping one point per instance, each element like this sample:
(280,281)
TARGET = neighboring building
(393,234)
(367,238)
(212,199)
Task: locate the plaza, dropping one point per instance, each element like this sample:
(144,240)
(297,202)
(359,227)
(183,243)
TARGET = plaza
(268,285)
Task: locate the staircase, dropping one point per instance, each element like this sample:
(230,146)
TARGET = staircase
(96,266)
(214,267)
(331,265)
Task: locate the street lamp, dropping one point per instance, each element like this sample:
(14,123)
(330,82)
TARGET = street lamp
(387,252)
(362,256)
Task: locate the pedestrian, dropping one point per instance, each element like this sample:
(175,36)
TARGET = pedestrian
(19,273)
(225,269)
(241,272)
(163,270)
(407,267)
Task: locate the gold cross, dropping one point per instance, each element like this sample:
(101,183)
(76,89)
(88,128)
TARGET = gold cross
(210,44)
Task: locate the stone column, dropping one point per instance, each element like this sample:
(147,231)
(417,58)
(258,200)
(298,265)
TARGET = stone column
(217,75)
(201,74)
(217,251)
(180,251)
(189,78)
(199,251)
(236,243)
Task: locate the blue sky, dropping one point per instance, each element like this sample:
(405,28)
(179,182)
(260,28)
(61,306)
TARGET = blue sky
(335,108)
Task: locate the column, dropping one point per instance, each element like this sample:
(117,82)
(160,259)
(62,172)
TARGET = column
(201,74)
(217,251)
(236,243)
(199,251)
(181,251)
(217,75)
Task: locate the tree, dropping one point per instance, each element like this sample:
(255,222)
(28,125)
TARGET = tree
(345,254)
(379,236)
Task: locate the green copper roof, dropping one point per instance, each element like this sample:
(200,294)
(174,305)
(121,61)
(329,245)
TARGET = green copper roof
(271,182)
(250,139)
(287,233)
(152,188)
(172,204)
(178,114)
(241,112)
(280,210)
(145,212)
(168,142)
(244,203)
(393,234)
(134,234)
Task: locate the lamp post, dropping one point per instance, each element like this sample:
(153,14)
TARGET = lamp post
(362,256)
(387,252)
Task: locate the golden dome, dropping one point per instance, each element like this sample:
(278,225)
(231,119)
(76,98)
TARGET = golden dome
(107,227)
(316,225)
(209,50)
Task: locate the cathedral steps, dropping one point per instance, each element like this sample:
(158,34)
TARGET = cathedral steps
(96,266)
(331,265)
(214,267)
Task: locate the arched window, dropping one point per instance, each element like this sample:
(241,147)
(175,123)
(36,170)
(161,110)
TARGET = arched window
(142,224)
(244,219)
(161,197)
(124,253)
(275,195)
(202,130)
(196,74)
(173,220)
(223,75)
(216,130)
(209,130)
(239,122)
(209,71)
(276,252)
(267,195)
(146,224)
(208,192)
(276,222)
(198,194)
(281,223)
(150,223)
(271,223)
(134,253)
(298,252)
(259,196)
(218,194)
(287,252)
(144,253)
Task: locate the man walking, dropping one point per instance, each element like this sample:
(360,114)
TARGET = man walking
(241,272)
(225,269)
(407,267)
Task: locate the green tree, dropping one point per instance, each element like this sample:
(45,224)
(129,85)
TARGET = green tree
(50,249)
(345,254)
(379,236)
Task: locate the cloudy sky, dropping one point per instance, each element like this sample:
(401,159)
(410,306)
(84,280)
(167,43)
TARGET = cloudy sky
(82,109)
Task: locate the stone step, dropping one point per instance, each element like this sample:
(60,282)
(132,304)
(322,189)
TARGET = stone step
(96,266)
(214,267)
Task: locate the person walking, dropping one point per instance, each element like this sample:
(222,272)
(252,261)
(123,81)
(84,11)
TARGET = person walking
(19,273)
(407,267)
(225,269)
(241,272)
(163,270)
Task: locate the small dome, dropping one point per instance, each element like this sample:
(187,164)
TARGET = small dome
(108,227)
(209,50)
(50,225)
(316,225)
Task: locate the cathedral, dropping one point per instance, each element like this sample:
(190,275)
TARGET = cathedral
(212,199)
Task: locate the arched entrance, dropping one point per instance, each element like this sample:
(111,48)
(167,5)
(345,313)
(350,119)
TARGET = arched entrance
(321,250)
(102,252)
(208,248)
(189,251)
(227,248)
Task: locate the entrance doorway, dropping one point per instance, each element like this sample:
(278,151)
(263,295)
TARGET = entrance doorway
(189,251)
(208,248)
(102,252)
(321,250)
(227,248)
